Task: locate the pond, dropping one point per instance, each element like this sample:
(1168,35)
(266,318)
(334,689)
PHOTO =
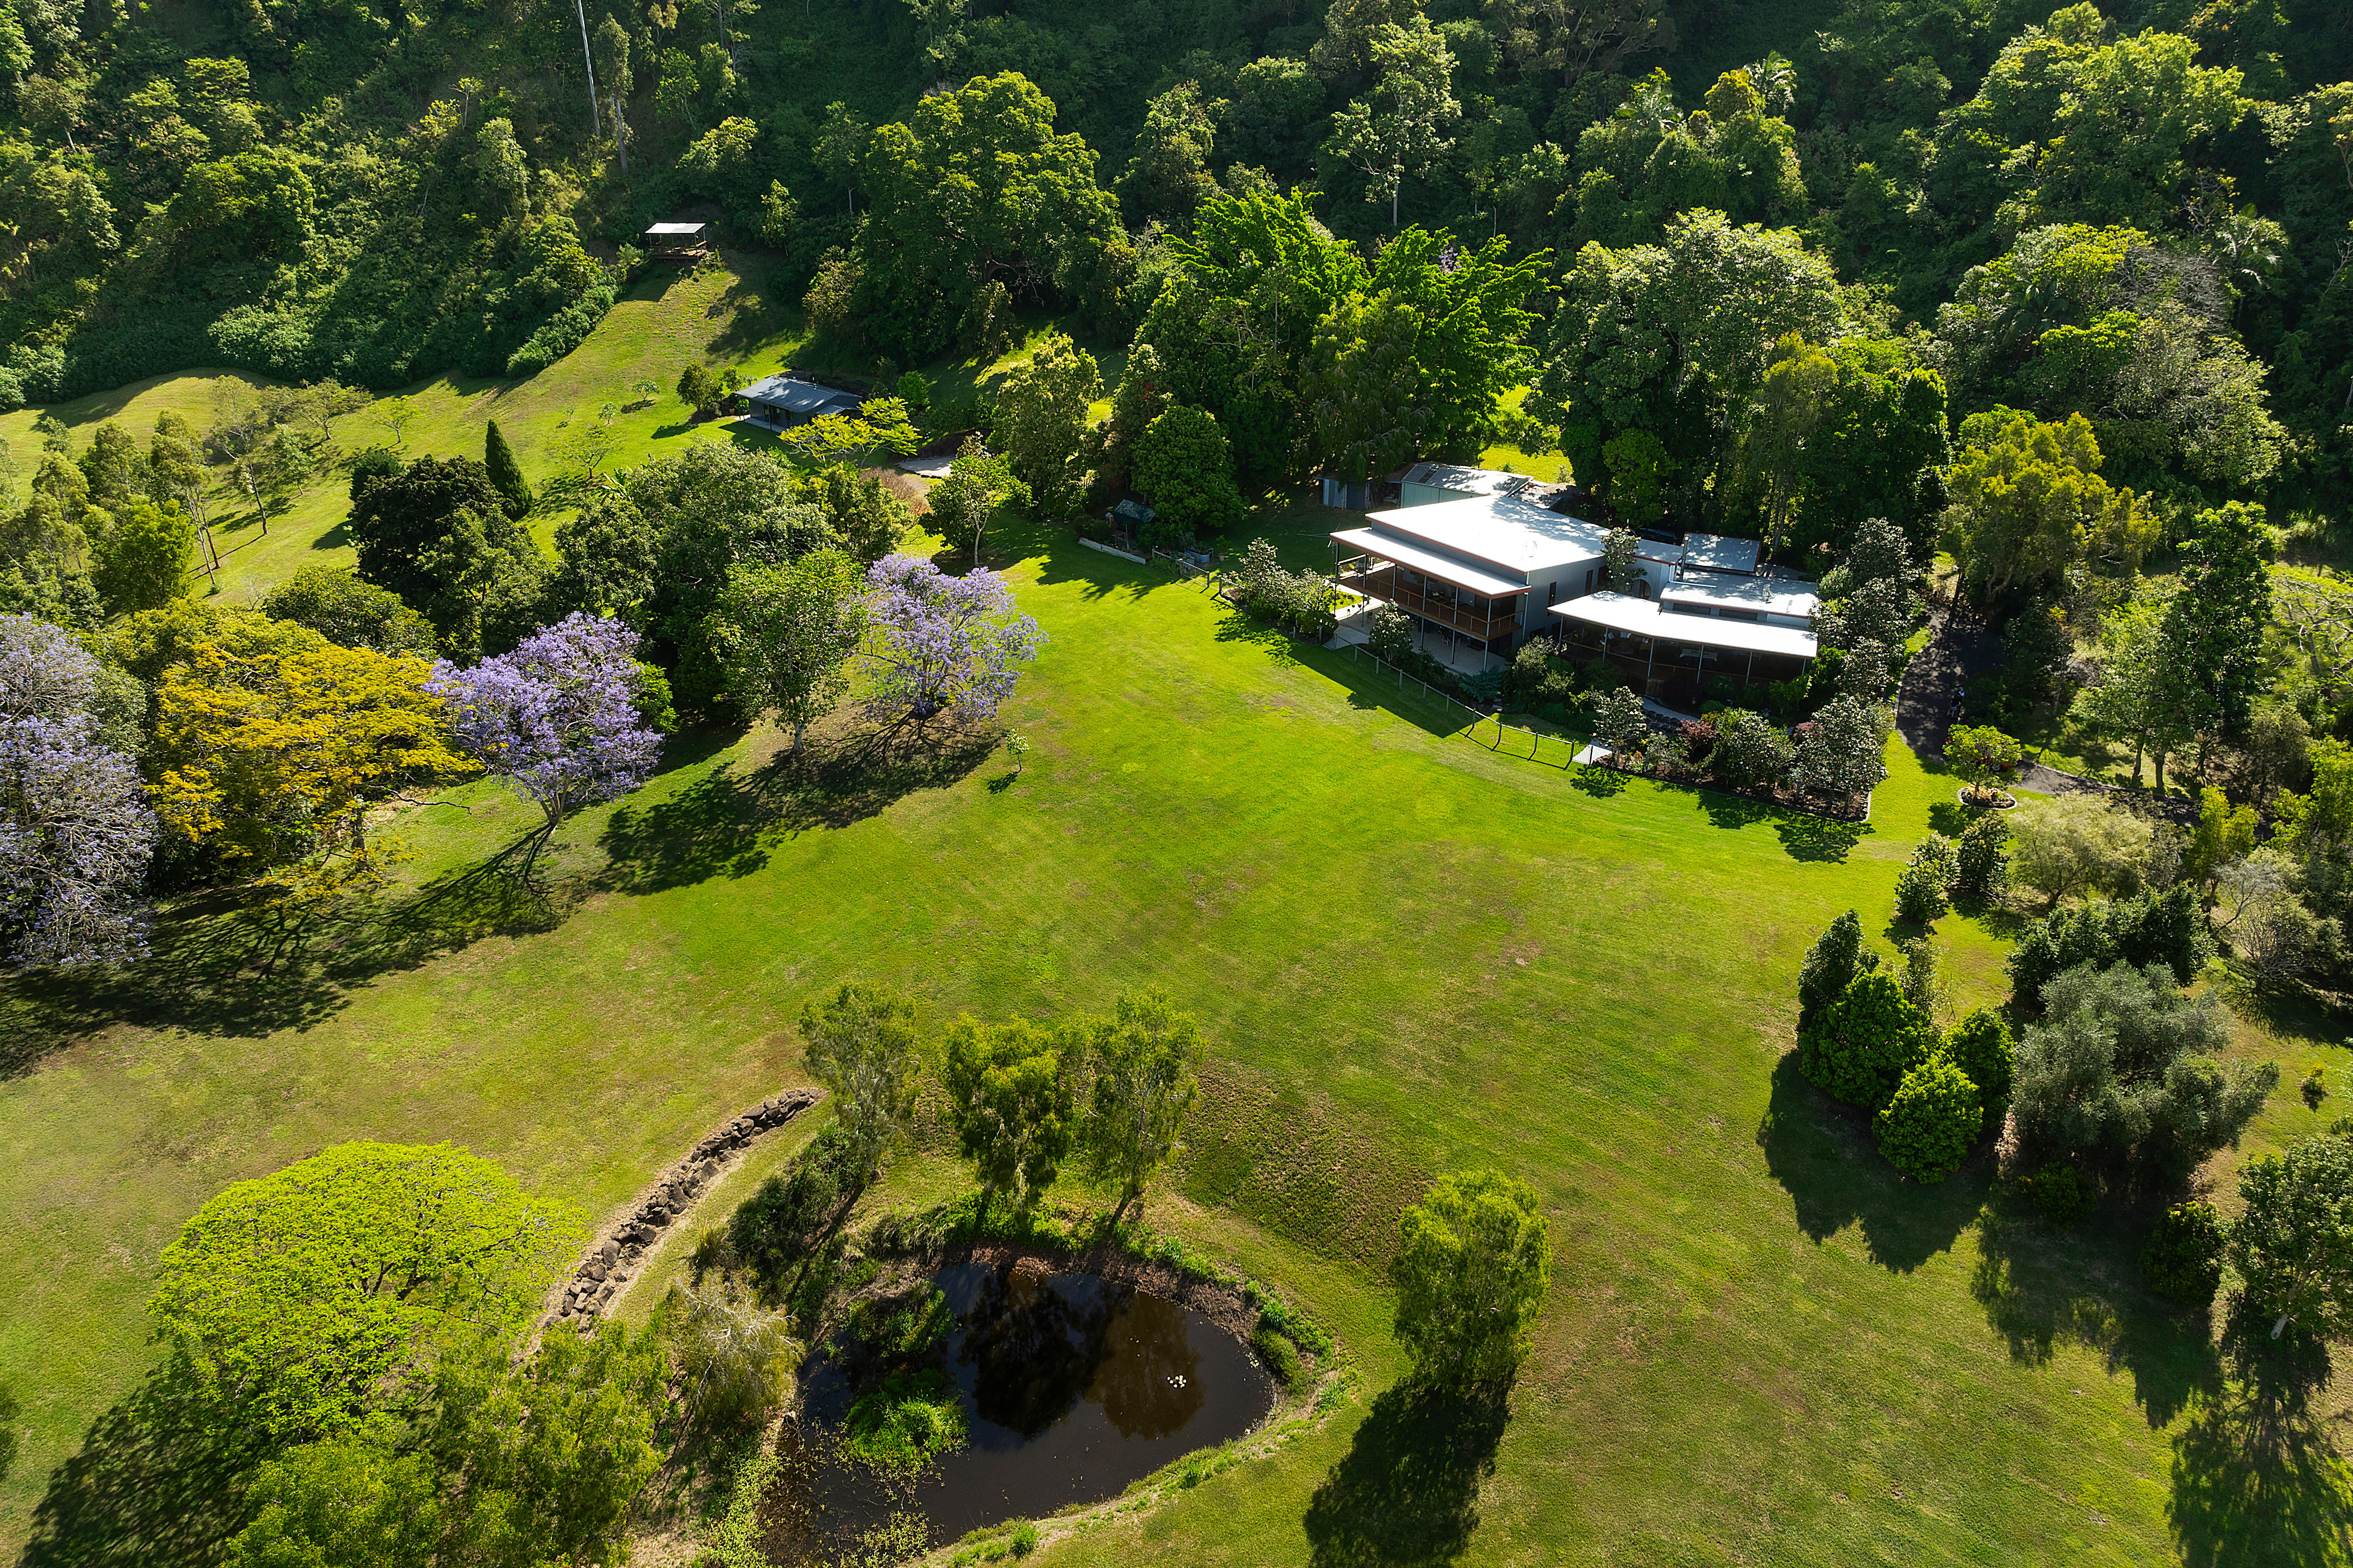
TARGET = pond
(1071,1385)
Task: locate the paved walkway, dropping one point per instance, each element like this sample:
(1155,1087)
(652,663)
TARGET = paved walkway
(1961,646)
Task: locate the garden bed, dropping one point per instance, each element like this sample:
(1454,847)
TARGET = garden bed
(1856,809)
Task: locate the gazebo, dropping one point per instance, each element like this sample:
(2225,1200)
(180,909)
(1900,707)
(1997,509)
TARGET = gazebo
(689,242)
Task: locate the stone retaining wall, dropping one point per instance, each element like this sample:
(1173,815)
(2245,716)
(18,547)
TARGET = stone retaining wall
(614,1259)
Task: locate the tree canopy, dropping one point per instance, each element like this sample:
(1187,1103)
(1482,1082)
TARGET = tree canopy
(308,1297)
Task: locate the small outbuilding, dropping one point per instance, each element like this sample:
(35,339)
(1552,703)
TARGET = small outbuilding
(689,242)
(781,401)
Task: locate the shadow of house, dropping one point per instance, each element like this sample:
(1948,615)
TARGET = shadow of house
(1823,1154)
(1407,1494)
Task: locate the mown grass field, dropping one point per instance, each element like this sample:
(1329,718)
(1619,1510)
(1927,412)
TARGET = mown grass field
(1412,954)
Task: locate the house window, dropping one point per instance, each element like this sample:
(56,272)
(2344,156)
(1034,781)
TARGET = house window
(1552,591)
(1589,579)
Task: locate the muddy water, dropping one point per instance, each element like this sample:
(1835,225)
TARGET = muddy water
(1072,1387)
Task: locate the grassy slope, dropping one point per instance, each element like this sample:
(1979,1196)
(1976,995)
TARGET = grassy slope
(665,321)
(1414,955)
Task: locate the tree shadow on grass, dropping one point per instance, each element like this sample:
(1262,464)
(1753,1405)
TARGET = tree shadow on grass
(159,1482)
(716,826)
(1098,576)
(1370,689)
(1823,1154)
(1408,1491)
(2285,1007)
(1599,780)
(1282,646)
(228,966)
(2039,1286)
(1805,836)
(2257,1478)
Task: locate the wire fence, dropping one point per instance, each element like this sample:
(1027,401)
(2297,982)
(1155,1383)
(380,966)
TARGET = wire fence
(1482,724)
(1206,576)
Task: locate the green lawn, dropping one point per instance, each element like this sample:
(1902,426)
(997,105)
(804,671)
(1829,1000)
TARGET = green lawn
(1412,954)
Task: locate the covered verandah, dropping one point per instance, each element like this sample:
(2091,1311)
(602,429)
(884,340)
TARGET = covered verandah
(1668,654)
(1462,616)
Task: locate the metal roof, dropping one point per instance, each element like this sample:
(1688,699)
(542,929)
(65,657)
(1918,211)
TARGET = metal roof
(1461,476)
(1766,596)
(1646,617)
(1508,533)
(796,395)
(674,230)
(1719,552)
(1381,541)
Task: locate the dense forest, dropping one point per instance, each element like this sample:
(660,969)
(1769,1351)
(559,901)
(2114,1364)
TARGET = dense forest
(2139,214)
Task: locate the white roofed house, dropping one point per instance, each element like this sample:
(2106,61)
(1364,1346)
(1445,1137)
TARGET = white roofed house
(1482,563)
(1745,630)
(1477,571)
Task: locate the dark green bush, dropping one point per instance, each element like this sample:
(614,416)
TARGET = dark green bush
(782,1223)
(1924,888)
(2059,1193)
(1984,859)
(562,332)
(1837,956)
(1860,1047)
(1929,1124)
(1980,1045)
(2184,1258)
(2165,928)
(1280,1356)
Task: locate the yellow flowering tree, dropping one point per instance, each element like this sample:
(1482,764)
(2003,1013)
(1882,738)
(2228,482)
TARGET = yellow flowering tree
(275,757)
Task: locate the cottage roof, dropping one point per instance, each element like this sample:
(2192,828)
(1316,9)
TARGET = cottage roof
(1766,596)
(675,230)
(796,395)
(1390,546)
(1647,618)
(1507,534)
(1462,477)
(1719,552)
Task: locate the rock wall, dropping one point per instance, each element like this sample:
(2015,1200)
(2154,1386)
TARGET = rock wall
(615,1258)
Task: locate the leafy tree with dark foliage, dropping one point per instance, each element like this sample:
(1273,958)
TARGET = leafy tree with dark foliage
(1837,957)
(438,534)
(1859,1047)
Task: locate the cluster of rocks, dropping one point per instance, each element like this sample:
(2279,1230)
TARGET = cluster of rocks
(611,1263)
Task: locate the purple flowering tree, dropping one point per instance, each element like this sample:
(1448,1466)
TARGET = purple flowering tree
(75,829)
(557,718)
(941,644)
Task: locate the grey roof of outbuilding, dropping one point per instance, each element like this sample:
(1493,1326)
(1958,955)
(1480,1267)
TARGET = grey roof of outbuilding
(794,396)
(1719,552)
(673,230)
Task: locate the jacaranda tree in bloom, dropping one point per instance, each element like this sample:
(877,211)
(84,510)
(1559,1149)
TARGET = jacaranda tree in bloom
(940,644)
(558,718)
(75,829)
